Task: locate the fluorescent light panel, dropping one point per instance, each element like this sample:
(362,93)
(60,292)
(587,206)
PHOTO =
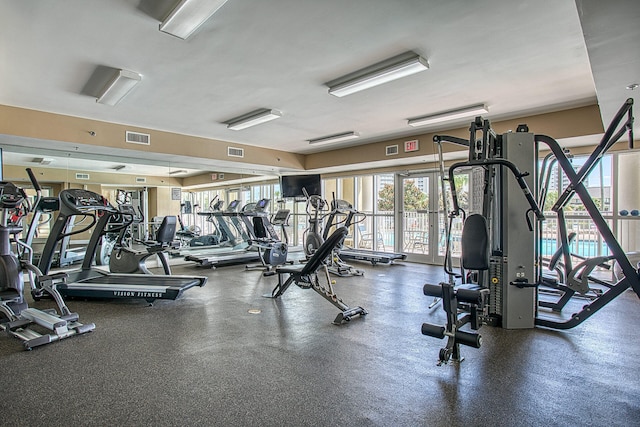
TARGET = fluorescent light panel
(177,172)
(43,160)
(254,119)
(404,68)
(118,87)
(335,138)
(449,115)
(188,15)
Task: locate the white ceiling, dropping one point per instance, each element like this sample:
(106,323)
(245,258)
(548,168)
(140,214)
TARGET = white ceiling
(517,56)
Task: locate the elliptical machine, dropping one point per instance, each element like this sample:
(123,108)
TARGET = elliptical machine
(316,212)
(16,317)
(341,214)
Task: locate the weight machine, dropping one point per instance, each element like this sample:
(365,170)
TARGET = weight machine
(500,261)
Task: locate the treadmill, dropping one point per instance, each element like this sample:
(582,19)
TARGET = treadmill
(242,252)
(343,207)
(374,257)
(90,282)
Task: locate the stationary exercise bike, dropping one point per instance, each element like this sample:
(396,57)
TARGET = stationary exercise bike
(263,236)
(16,317)
(125,259)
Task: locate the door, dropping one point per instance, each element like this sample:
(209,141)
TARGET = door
(419,228)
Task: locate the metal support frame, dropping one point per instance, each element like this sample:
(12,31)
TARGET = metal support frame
(615,131)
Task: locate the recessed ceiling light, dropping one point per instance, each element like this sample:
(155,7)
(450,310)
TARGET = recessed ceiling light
(632,86)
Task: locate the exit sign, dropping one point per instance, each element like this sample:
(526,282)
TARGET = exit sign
(411,146)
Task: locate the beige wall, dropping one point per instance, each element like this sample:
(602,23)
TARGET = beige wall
(563,124)
(75,130)
(574,122)
(47,126)
(160,203)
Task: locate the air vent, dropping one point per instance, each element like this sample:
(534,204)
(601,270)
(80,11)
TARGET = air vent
(235,152)
(82,176)
(391,150)
(138,138)
(220,176)
(141,180)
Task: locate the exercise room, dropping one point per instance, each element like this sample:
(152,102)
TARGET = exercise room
(319,213)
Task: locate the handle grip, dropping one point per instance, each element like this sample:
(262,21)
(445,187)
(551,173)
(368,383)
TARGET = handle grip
(33,179)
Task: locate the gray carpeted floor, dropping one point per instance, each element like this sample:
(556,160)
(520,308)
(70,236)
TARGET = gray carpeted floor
(208,359)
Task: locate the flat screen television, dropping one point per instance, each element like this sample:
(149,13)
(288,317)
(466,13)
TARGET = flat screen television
(292,185)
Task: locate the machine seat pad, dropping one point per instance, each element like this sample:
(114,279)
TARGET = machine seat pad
(289,268)
(475,243)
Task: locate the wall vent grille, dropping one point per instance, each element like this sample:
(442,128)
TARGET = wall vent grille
(138,138)
(235,152)
(391,150)
(141,180)
(82,176)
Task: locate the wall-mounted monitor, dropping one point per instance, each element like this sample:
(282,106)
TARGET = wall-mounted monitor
(292,185)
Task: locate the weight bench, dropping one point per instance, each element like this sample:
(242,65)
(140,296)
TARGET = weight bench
(466,303)
(306,276)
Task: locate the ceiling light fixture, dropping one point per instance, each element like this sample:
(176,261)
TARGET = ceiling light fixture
(383,72)
(177,172)
(253,118)
(122,82)
(448,115)
(42,160)
(188,15)
(335,138)
(119,167)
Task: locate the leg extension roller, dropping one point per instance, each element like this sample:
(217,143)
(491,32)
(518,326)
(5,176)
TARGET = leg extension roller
(463,305)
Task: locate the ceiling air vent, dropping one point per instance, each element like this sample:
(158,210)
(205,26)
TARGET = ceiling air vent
(235,152)
(141,180)
(391,150)
(138,138)
(82,176)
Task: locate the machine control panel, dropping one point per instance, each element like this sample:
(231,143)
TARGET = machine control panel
(80,201)
(10,195)
(233,206)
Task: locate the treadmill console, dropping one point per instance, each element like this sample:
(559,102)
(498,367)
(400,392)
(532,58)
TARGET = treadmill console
(261,205)
(78,201)
(233,206)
